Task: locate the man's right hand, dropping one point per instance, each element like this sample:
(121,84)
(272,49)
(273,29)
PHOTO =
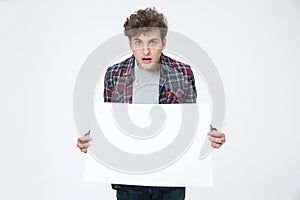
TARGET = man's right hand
(83,143)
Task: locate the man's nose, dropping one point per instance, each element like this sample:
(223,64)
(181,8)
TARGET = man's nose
(146,50)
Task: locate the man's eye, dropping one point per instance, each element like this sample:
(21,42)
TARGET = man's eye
(137,42)
(153,43)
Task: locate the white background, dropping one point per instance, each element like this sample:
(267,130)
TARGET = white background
(254,44)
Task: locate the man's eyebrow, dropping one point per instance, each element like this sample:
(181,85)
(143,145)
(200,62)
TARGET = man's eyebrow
(153,39)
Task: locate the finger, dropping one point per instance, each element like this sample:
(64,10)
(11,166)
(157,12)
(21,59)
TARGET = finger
(216,134)
(83,150)
(216,145)
(84,139)
(217,140)
(81,145)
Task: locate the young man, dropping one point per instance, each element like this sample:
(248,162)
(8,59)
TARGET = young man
(149,77)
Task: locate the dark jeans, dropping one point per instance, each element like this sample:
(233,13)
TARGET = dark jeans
(132,192)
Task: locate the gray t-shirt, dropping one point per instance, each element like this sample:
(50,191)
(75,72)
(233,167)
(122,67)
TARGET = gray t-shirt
(145,86)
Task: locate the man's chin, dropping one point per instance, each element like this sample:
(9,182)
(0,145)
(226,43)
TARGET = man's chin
(149,66)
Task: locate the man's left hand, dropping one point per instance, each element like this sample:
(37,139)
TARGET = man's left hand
(216,138)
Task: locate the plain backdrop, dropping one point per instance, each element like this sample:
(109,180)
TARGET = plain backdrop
(255,46)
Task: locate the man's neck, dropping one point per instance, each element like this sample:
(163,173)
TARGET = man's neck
(153,69)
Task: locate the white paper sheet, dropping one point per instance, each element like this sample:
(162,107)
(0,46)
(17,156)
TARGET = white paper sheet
(187,171)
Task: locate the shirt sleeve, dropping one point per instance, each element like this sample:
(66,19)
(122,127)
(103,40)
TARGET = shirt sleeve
(191,92)
(108,86)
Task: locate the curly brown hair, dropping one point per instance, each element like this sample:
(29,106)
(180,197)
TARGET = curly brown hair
(145,20)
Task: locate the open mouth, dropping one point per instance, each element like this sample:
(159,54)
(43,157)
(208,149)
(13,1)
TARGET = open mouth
(146,60)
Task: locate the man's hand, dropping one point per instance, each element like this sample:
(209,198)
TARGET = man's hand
(217,138)
(83,143)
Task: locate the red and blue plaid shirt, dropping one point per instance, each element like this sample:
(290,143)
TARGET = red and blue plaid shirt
(176,82)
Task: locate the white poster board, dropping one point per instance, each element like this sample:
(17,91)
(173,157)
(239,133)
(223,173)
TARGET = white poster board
(188,170)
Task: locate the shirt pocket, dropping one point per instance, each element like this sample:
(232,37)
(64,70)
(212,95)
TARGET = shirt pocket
(173,97)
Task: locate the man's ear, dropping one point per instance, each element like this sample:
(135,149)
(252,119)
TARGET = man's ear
(164,43)
(129,42)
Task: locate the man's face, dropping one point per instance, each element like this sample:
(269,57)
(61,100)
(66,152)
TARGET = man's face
(147,48)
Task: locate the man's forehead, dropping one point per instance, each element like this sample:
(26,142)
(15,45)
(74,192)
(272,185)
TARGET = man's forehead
(154,33)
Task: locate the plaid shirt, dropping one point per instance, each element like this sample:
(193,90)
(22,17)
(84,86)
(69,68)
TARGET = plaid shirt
(176,82)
